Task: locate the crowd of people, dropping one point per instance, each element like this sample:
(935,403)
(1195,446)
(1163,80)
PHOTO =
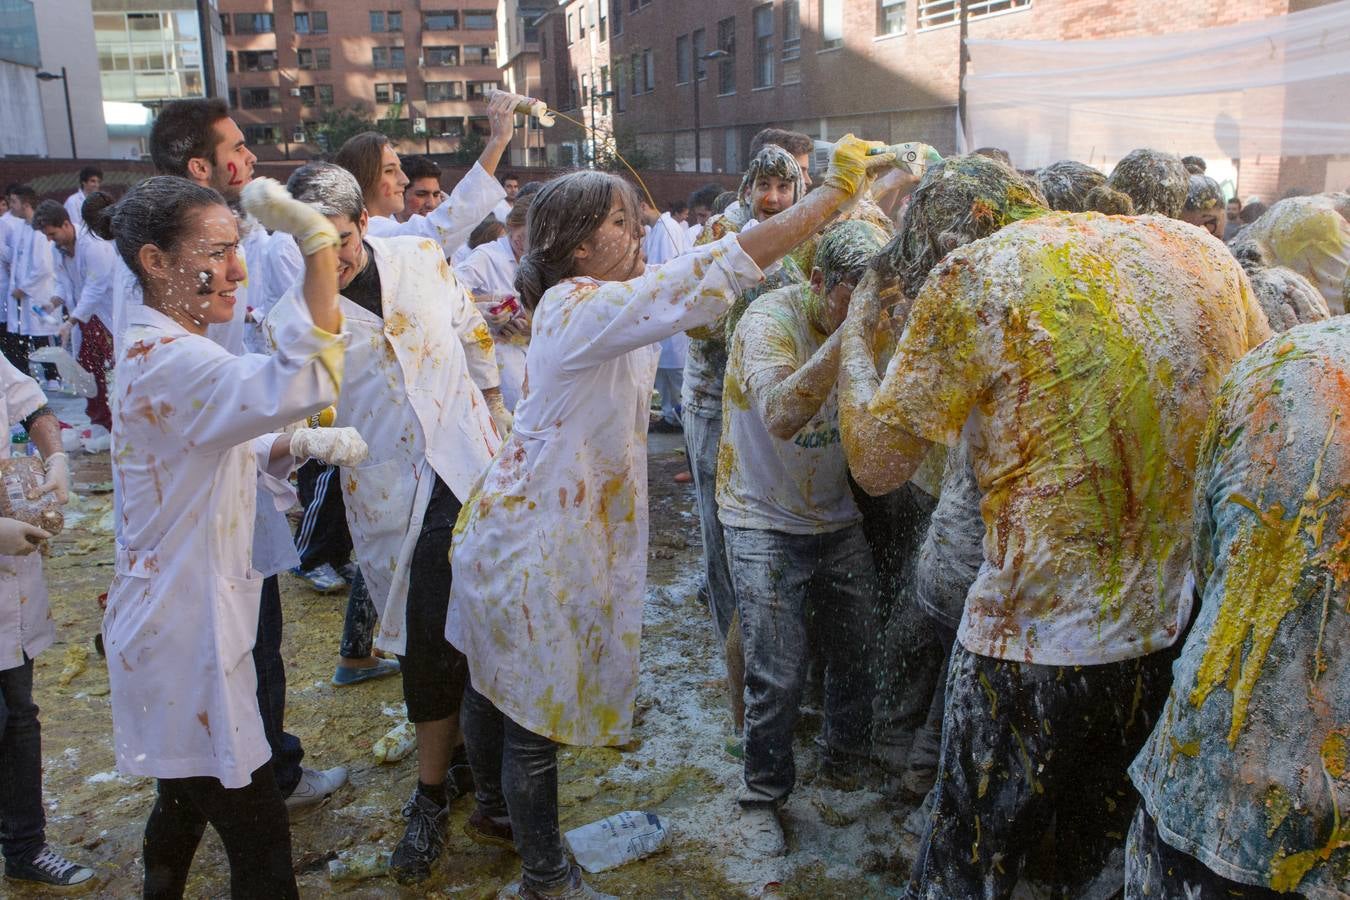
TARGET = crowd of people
(1042,483)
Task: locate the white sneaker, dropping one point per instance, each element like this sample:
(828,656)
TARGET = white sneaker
(315,789)
(761,832)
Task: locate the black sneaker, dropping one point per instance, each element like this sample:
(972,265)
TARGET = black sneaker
(50,868)
(422,841)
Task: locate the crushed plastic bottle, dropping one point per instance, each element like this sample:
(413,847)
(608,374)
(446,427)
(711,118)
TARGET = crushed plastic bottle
(397,743)
(617,839)
(355,865)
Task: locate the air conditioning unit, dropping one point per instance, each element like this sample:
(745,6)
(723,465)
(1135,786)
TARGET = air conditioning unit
(295,92)
(419,125)
(298,136)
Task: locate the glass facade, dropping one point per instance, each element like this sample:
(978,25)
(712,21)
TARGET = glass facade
(18,33)
(152,53)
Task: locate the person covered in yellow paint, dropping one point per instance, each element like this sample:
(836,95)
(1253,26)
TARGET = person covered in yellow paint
(1310,235)
(550,554)
(1079,354)
(1245,781)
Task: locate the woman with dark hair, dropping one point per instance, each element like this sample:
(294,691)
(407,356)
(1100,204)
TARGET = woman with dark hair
(550,553)
(193,435)
(375,163)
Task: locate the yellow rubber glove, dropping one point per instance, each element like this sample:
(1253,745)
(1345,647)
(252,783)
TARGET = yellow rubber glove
(854,162)
(272,205)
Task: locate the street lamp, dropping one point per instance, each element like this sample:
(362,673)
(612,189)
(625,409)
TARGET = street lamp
(698,141)
(596,95)
(65,86)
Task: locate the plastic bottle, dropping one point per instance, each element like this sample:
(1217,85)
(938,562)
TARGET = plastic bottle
(617,839)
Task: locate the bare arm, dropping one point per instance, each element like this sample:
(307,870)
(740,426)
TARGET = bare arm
(321,289)
(880,456)
(45,431)
(502,115)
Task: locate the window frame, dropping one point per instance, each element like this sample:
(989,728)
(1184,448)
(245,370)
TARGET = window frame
(763,52)
(726,67)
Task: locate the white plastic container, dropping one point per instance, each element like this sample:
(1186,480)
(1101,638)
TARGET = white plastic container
(618,839)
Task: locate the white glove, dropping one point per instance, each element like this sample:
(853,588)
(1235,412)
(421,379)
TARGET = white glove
(58,477)
(19,538)
(336,446)
(272,205)
(501,416)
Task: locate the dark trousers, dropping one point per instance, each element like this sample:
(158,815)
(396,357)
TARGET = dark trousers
(286,749)
(96,357)
(252,824)
(322,535)
(515,773)
(22,821)
(15,346)
(1155,870)
(358,627)
(1023,744)
(434,672)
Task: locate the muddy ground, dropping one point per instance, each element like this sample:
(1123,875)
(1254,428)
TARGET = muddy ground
(842,844)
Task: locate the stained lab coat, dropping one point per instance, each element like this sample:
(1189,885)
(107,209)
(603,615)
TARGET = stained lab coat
(33,271)
(666,240)
(26,625)
(414,392)
(550,554)
(450,223)
(491,269)
(183,607)
(95,262)
(9,308)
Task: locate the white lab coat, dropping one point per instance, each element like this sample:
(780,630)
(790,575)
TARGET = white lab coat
(413,391)
(75,208)
(491,269)
(182,611)
(450,223)
(26,625)
(664,241)
(9,307)
(33,272)
(95,262)
(550,554)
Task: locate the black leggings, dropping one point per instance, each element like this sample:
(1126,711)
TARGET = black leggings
(252,823)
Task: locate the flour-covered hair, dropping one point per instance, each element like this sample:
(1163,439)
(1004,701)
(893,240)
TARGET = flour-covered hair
(329,188)
(157,211)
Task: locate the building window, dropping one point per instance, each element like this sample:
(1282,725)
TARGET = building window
(229,60)
(478,90)
(441,56)
(253,23)
(224,23)
(831,24)
(585,90)
(317,58)
(391,93)
(603,25)
(764,45)
(616,14)
(480,20)
(259,98)
(700,46)
(604,89)
(682,59)
(649,68)
(381,21)
(440,20)
(479,55)
(316,94)
(441,91)
(387,57)
(571,24)
(581,22)
(726,67)
(261,134)
(311,23)
(620,99)
(792,29)
(632,5)
(890,17)
(937,13)
(480,125)
(443,126)
(257,60)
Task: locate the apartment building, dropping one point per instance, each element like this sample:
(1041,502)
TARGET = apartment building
(518,59)
(577,79)
(289,62)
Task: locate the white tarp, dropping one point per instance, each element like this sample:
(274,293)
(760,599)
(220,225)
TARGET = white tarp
(1271,87)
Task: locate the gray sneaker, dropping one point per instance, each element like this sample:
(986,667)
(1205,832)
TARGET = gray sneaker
(321,578)
(575,888)
(422,840)
(49,868)
(314,790)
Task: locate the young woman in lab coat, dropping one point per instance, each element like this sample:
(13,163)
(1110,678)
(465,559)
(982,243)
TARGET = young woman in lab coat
(489,274)
(194,428)
(550,554)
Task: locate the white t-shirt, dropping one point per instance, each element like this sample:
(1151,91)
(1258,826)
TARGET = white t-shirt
(799,486)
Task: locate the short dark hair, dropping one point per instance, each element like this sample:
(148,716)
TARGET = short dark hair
(90,172)
(705,196)
(793,142)
(1252,211)
(12,187)
(183,131)
(50,214)
(24,193)
(677,206)
(416,167)
(94,205)
(510,176)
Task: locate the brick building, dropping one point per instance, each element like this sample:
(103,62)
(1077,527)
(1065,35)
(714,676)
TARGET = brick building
(518,44)
(577,79)
(289,61)
(884,68)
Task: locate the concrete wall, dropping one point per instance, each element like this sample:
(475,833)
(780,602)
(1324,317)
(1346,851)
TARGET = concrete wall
(66,36)
(21,131)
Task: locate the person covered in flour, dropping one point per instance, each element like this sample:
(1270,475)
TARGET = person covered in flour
(26,629)
(197,140)
(550,555)
(422,388)
(196,430)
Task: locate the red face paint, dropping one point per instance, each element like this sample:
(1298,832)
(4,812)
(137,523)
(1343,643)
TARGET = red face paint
(235,180)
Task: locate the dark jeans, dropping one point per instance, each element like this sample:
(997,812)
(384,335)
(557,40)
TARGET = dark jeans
(252,824)
(22,821)
(1155,870)
(1023,744)
(358,628)
(702,437)
(778,577)
(96,357)
(322,535)
(434,672)
(286,749)
(15,346)
(515,773)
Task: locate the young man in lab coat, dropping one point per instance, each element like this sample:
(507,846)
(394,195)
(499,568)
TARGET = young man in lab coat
(421,387)
(32,280)
(26,629)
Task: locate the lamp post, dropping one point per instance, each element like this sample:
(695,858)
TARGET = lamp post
(596,95)
(65,86)
(698,140)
